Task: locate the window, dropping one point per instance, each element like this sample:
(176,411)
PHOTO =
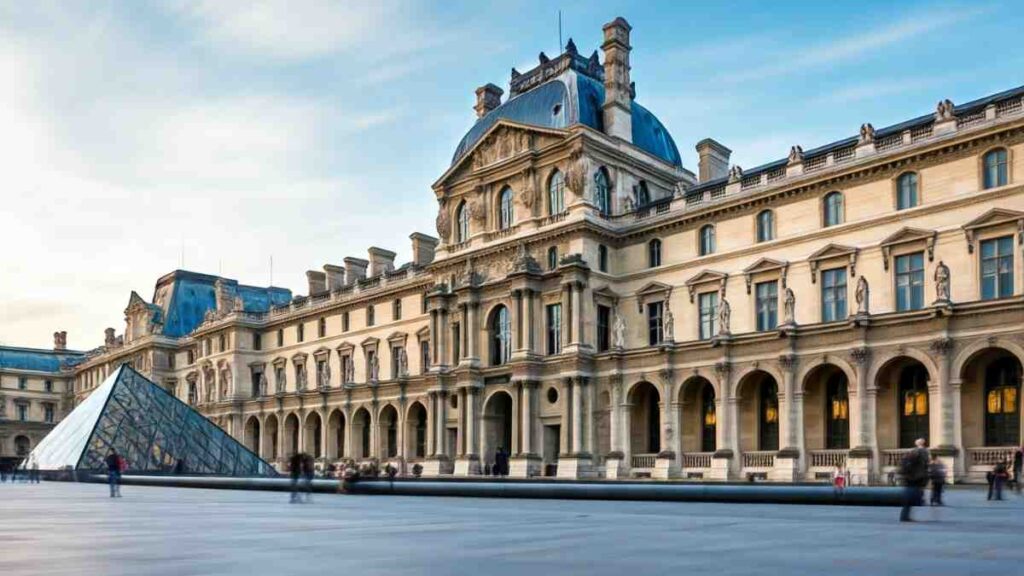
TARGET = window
(553,319)
(1002,408)
(346,368)
(344,321)
(462,223)
(396,309)
(995,168)
(655,323)
(997,268)
(207,347)
(768,431)
(424,356)
(643,196)
(906,191)
(556,193)
(321,327)
(707,304)
(501,336)
(280,338)
(552,258)
(456,342)
(23,412)
(602,258)
(604,323)
(707,240)
(602,192)
(766,295)
(709,419)
(913,405)
(300,332)
(837,425)
(505,209)
(48,413)
(370,316)
(48,385)
(22,383)
(654,253)
(222,343)
(257,341)
(765,226)
(910,282)
(832,209)
(396,354)
(833,295)
(192,355)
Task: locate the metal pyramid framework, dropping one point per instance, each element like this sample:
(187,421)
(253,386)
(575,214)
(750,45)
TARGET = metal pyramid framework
(150,428)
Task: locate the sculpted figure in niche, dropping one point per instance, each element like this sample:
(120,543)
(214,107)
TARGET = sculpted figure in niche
(789,307)
(619,331)
(444,223)
(350,371)
(669,324)
(300,377)
(325,374)
(867,133)
(724,312)
(942,282)
(862,295)
(403,363)
(374,368)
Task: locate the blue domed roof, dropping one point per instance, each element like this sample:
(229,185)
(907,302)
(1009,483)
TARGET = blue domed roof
(568,99)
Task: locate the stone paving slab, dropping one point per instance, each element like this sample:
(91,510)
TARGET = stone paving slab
(58,528)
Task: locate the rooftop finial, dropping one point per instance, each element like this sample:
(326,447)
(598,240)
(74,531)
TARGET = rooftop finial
(570,47)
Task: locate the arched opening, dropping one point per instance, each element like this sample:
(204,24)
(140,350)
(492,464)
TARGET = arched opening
(602,191)
(313,431)
(707,240)
(556,193)
(291,434)
(827,409)
(500,336)
(22,446)
(497,426)
(388,432)
(462,223)
(902,406)
(361,433)
(906,191)
(252,435)
(765,226)
(644,420)
(416,431)
(832,209)
(654,253)
(505,210)
(698,420)
(336,435)
(990,409)
(270,435)
(758,412)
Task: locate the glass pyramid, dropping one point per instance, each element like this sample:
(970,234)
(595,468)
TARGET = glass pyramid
(150,428)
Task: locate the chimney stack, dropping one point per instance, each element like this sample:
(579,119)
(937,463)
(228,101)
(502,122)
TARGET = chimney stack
(335,276)
(423,247)
(488,97)
(60,340)
(714,160)
(355,269)
(381,260)
(617,110)
(317,282)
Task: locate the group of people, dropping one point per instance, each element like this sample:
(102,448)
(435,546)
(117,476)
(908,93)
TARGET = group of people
(30,473)
(919,467)
(301,468)
(1003,474)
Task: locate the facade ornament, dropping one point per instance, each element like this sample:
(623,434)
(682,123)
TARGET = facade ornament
(468,275)
(527,191)
(867,133)
(735,174)
(350,371)
(522,261)
(724,313)
(860,355)
(862,295)
(261,384)
(325,374)
(476,210)
(669,324)
(942,346)
(942,282)
(628,205)
(723,369)
(403,362)
(619,330)
(443,222)
(374,368)
(300,377)
(787,362)
(796,154)
(944,110)
(225,297)
(576,174)
(789,308)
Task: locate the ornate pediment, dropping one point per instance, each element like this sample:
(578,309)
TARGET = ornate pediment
(345,348)
(765,265)
(907,235)
(652,291)
(833,252)
(299,357)
(369,342)
(706,277)
(321,353)
(992,218)
(398,338)
(423,333)
(504,140)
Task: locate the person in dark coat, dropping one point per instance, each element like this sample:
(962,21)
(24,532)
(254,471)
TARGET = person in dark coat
(996,478)
(500,462)
(308,470)
(937,476)
(914,469)
(113,462)
(1018,467)
(295,472)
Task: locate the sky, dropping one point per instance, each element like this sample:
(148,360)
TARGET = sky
(139,137)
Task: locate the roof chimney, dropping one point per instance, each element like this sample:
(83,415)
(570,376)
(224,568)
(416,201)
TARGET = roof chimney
(317,282)
(617,112)
(714,160)
(423,247)
(335,276)
(60,340)
(381,260)
(355,269)
(488,97)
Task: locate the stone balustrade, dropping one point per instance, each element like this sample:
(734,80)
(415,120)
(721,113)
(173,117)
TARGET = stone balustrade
(643,461)
(762,459)
(697,460)
(827,458)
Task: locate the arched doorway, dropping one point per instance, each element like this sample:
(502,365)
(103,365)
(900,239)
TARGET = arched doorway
(990,408)
(497,426)
(826,409)
(270,431)
(313,440)
(902,406)
(698,422)
(758,394)
(416,431)
(252,435)
(388,432)
(361,433)
(644,423)
(291,434)
(336,435)
(22,446)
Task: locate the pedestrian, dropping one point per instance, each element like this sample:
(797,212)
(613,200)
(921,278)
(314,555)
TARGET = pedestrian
(33,470)
(113,462)
(3,471)
(914,470)
(295,472)
(937,475)
(308,470)
(839,480)
(179,467)
(996,478)
(500,462)
(1018,467)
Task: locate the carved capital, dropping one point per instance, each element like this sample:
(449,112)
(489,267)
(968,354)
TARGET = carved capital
(787,361)
(860,355)
(941,346)
(723,369)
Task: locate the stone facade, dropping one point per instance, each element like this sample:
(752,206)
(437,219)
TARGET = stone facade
(596,310)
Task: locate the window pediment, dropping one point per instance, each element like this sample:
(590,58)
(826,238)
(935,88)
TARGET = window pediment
(279,361)
(833,252)
(766,265)
(299,357)
(345,348)
(398,338)
(993,218)
(909,235)
(322,353)
(704,278)
(423,333)
(652,291)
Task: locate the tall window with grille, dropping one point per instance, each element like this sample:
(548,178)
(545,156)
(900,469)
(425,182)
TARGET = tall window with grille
(553,322)
(913,406)
(837,423)
(321,327)
(709,419)
(48,413)
(505,213)
(996,168)
(602,258)
(707,304)
(655,323)
(707,240)
(604,319)
(501,336)
(602,192)
(654,253)
(765,226)
(833,295)
(344,321)
(556,193)
(370,316)
(906,191)
(462,223)
(396,309)
(832,209)
(997,268)
(909,282)
(766,296)
(300,332)
(1002,405)
(552,258)
(424,356)
(280,338)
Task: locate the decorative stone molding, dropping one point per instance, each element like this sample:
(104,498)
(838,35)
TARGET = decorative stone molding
(860,356)
(942,346)
(835,252)
(991,219)
(651,292)
(766,265)
(907,235)
(704,278)
(787,362)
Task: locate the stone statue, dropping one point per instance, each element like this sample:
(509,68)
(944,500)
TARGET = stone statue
(403,362)
(669,322)
(944,110)
(280,380)
(628,205)
(300,377)
(724,314)
(796,154)
(374,368)
(261,385)
(467,273)
(443,222)
(862,295)
(735,173)
(619,331)
(867,133)
(325,374)
(942,282)
(789,307)
(350,371)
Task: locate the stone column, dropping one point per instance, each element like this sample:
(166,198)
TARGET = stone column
(565,435)
(566,315)
(517,319)
(666,464)
(526,413)
(348,435)
(861,457)
(432,423)
(945,405)
(473,330)
(723,461)
(261,447)
(576,337)
(531,322)
(526,462)
(577,415)
(323,435)
(615,461)
(442,419)
(516,419)
(435,339)
(444,333)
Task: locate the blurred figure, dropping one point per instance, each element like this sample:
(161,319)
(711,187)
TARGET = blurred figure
(33,470)
(914,470)
(113,462)
(937,475)
(4,469)
(500,462)
(308,470)
(179,467)
(996,478)
(295,471)
(1018,467)
(839,480)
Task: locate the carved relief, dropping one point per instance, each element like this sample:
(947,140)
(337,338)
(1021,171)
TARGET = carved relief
(443,222)
(576,174)
(527,189)
(501,144)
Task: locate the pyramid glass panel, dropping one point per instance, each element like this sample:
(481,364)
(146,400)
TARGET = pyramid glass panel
(150,428)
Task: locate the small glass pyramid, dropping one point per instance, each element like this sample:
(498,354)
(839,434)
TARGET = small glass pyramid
(150,428)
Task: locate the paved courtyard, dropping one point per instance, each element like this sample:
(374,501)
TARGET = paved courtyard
(57,528)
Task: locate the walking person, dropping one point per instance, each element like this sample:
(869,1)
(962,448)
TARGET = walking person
(1018,467)
(996,478)
(839,480)
(33,470)
(4,467)
(308,470)
(937,476)
(500,462)
(114,463)
(295,472)
(914,470)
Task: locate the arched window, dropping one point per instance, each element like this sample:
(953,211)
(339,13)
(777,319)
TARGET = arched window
(505,214)
(913,405)
(552,258)
(906,191)
(765,226)
(556,193)
(1002,403)
(602,257)
(643,195)
(602,191)
(707,240)
(709,419)
(500,336)
(995,166)
(654,253)
(832,209)
(837,407)
(22,445)
(462,223)
(768,432)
